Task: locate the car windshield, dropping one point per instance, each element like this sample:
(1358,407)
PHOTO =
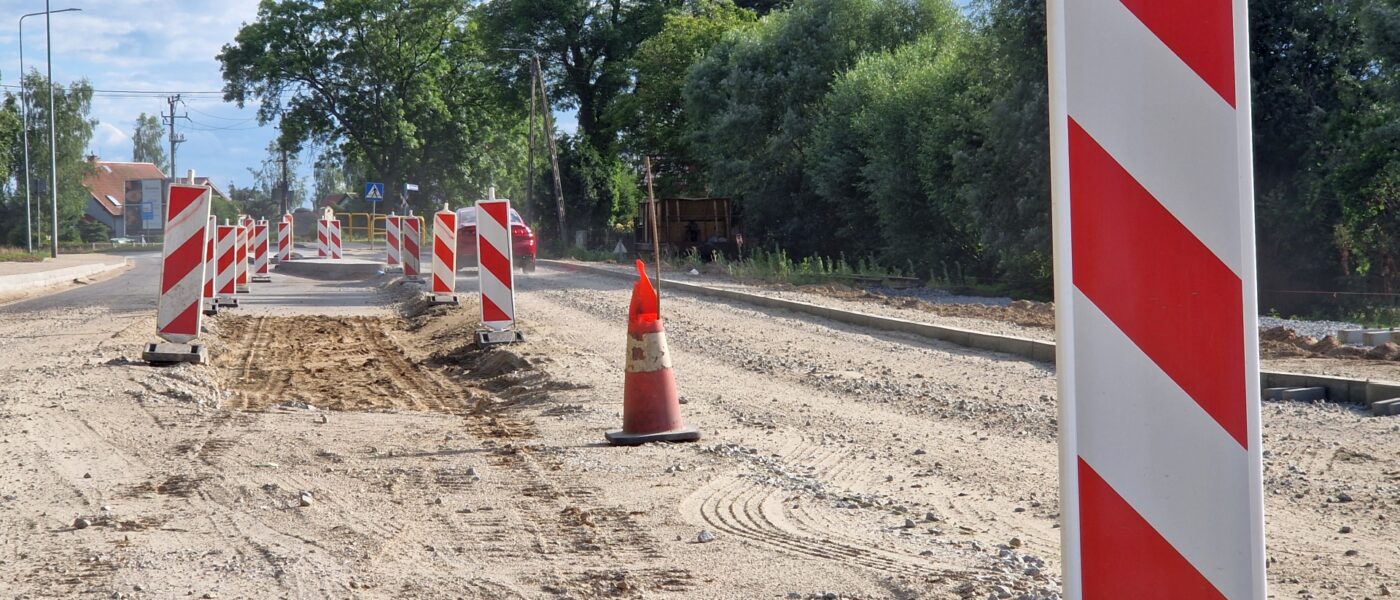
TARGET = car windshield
(467,216)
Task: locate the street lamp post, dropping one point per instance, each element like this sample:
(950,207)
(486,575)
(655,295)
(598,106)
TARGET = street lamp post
(53,132)
(24,118)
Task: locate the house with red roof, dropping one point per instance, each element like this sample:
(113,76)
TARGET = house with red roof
(106,186)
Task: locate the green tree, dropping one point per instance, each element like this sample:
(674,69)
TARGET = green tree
(752,103)
(12,223)
(403,84)
(74,126)
(654,115)
(147,144)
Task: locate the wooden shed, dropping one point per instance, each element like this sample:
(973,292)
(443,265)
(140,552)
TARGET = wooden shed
(684,224)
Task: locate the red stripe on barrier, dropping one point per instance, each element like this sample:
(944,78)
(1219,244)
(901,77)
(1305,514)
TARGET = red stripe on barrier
(1158,283)
(180,262)
(496,263)
(491,312)
(1124,556)
(440,248)
(497,211)
(1200,32)
(440,286)
(187,322)
(181,198)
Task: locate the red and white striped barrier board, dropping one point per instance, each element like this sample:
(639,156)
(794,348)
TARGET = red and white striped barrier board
(444,282)
(225,253)
(284,239)
(323,242)
(240,258)
(409,238)
(391,246)
(333,237)
(495,277)
(179,310)
(261,258)
(211,263)
(1155,288)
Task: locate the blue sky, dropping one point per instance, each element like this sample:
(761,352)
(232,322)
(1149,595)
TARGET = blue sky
(153,45)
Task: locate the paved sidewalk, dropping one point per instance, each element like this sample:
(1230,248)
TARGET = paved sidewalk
(20,277)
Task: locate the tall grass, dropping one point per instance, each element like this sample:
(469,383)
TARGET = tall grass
(775,266)
(10,254)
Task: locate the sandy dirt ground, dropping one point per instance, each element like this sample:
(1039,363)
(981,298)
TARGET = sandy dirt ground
(371,452)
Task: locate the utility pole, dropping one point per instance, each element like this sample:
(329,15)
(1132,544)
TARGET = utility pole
(530,161)
(53,129)
(553,149)
(175,138)
(286,185)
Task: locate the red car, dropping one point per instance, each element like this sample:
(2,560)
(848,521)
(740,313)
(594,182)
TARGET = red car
(522,240)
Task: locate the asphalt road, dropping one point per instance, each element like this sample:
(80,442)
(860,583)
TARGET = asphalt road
(131,291)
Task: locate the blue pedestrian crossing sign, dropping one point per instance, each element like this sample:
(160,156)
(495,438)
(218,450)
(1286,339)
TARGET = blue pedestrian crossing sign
(374,192)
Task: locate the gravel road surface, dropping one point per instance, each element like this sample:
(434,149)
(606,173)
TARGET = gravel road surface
(372,453)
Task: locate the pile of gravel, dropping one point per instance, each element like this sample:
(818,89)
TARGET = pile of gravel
(1316,329)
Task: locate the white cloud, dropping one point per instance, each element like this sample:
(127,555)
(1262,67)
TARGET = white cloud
(110,142)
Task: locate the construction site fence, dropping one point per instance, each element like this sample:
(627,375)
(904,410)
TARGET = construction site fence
(366,227)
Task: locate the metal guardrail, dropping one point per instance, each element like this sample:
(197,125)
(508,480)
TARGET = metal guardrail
(373,228)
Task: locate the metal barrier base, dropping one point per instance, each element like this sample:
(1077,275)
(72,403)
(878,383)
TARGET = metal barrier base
(486,338)
(438,299)
(168,353)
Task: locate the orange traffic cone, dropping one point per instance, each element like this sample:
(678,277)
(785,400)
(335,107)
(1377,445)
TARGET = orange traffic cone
(651,407)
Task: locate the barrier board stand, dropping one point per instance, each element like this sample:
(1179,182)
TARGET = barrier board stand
(495,273)
(241,239)
(284,239)
(178,311)
(261,261)
(1157,354)
(225,278)
(333,238)
(410,253)
(444,277)
(323,238)
(392,263)
(211,267)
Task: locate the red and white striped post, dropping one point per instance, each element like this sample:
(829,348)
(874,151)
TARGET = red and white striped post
(240,258)
(225,255)
(284,238)
(495,271)
(1155,287)
(179,309)
(391,246)
(409,238)
(333,237)
(211,266)
(261,257)
(444,280)
(323,240)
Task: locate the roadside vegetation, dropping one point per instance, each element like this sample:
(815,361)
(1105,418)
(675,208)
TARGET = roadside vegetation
(9,254)
(904,134)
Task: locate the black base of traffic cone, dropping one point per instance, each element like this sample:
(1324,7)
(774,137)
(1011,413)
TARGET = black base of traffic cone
(622,438)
